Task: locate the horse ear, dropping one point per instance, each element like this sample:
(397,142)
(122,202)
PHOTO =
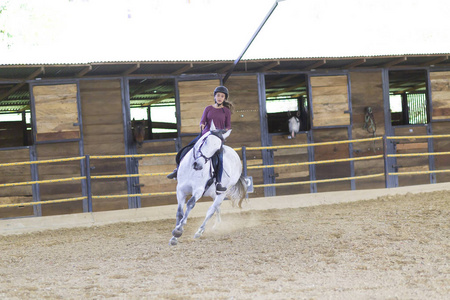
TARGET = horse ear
(289,113)
(226,134)
(212,127)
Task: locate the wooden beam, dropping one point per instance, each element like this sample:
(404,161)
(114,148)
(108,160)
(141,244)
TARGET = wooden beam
(183,69)
(281,80)
(40,70)
(354,64)
(395,62)
(225,69)
(291,88)
(316,64)
(269,66)
(156,101)
(84,71)
(132,69)
(435,61)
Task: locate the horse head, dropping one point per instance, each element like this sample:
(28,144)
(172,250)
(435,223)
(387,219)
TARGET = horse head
(138,128)
(208,145)
(294,124)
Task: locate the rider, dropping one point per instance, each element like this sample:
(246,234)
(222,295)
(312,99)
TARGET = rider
(220,113)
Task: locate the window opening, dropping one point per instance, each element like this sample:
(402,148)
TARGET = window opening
(286,96)
(15,116)
(153,103)
(408,97)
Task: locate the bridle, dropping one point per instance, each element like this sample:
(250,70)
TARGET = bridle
(217,133)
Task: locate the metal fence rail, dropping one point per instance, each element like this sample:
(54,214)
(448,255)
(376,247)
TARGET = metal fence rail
(87,179)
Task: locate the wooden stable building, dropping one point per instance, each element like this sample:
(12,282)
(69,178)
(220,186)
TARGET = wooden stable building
(56,111)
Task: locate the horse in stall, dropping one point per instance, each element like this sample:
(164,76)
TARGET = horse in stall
(138,129)
(195,177)
(294,124)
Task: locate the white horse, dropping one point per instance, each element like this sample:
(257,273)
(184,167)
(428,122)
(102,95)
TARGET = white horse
(294,124)
(195,174)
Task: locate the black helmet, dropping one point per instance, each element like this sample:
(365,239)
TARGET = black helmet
(221,89)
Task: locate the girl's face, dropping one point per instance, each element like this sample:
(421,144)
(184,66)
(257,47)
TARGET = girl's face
(219,97)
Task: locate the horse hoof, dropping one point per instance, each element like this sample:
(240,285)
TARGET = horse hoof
(199,233)
(173,241)
(177,232)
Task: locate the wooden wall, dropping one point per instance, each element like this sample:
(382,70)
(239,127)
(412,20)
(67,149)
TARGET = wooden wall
(245,123)
(330,100)
(56,111)
(103,130)
(442,162)
(12,174)
(367,90)
(288,174)
(58,170)
(194,97)
(440,90)
(440,95)
(330,152)
(103,133)
(14,134)
(412,163)
(158,164)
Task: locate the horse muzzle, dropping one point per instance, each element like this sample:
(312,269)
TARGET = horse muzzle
(197,166)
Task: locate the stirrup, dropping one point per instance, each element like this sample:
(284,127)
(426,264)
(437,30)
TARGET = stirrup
(220,189)
(173,175)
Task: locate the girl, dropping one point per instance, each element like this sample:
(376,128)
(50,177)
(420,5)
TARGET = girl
(220,114)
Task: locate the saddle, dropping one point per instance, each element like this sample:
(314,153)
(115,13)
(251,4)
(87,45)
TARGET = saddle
(214,161)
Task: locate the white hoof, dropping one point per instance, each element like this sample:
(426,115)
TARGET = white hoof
(199,233)
(173,241)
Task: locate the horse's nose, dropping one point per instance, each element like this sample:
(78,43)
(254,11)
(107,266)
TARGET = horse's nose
(197,166)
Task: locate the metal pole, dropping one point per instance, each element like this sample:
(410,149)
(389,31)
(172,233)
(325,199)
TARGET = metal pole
(251,41)
(88,182)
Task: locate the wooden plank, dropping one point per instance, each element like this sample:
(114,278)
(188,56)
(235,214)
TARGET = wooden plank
(440,95)
(423,147)
(61,150)
(194,97)
(330,100)
(330,90)
(328,104)
(366,90)
(318,81)
(325,120)
(56,111)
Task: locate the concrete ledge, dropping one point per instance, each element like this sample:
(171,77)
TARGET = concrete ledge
(34,224)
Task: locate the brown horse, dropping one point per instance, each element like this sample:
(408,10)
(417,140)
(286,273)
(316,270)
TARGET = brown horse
(138,128)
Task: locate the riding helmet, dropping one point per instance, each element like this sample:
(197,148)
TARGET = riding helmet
(221,89)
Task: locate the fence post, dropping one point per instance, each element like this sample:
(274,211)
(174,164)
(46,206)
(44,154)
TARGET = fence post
(244,160)
(88,182)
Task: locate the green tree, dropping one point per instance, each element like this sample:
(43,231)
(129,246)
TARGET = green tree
(5,36)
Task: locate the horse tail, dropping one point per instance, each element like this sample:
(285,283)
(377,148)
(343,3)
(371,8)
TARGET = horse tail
(238,192)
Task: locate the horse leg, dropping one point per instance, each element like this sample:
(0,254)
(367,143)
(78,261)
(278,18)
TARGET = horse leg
(178,231)
(182,219)
(218,218)
(215,207)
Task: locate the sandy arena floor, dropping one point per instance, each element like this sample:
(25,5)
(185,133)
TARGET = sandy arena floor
(392,247)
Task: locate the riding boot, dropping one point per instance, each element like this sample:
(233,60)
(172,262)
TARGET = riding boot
(220,189)
(173,175)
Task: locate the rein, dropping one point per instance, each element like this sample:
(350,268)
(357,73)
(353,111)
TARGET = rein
(215,133)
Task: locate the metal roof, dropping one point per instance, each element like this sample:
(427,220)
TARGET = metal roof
(13,77)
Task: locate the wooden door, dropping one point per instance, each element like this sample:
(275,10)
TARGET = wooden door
(194,97)
(330,101)
(56,112)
